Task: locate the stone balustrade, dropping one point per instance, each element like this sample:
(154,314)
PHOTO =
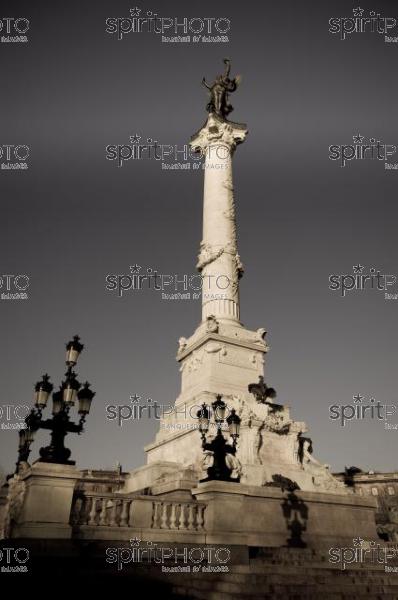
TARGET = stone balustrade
(101,509)
(178,515)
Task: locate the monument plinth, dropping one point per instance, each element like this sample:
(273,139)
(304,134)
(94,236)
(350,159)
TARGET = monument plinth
(222,356)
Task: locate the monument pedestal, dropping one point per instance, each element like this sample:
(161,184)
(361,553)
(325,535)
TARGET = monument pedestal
(222,357)
(40,500)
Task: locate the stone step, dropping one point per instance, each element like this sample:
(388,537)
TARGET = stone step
(232,588)
(314,560)
(312,568)
(298,578)
(248,587)
(298,557)
(291,574)
(319,575)
(216,595)
(189,592)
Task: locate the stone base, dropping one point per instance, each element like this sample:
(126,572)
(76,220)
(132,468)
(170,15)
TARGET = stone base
(40,500)
(146,476)
(253,516)
(42,530)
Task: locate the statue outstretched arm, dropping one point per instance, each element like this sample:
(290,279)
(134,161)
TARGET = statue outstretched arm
(227,64)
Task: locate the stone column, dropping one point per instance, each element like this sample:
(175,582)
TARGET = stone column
(219,262)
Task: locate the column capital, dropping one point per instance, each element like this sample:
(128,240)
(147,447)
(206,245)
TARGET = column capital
(218,131)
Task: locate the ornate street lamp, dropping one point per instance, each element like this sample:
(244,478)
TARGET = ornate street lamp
(60,424)
(219,448)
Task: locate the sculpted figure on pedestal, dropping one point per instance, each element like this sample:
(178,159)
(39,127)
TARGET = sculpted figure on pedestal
(261,391)
(234,464)
(205,462)
(220,90)
(321,476)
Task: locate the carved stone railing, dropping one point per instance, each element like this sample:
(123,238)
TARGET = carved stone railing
(107,509)
(178,515)
(102,509)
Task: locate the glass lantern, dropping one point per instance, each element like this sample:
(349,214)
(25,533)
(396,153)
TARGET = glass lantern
(204,420)
(73,350)
(43,389)
(219,408)
(85,396)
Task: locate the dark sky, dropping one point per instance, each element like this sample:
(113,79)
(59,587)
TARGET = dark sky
(74,217)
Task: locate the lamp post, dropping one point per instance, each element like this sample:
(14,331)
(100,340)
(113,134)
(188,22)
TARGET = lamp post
(60,424)
(219,470)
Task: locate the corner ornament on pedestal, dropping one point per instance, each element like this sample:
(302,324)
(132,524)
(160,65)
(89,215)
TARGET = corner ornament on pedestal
(219,455)
(60,424)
